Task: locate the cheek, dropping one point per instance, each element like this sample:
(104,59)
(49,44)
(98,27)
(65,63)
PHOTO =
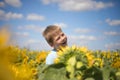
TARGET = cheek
(59,41)
(65,36)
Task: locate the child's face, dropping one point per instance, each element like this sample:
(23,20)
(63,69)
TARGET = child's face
(59,40)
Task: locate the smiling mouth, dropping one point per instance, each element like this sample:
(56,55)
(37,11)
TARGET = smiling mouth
(64,43)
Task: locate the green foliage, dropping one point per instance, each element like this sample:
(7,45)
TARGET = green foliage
(54,72)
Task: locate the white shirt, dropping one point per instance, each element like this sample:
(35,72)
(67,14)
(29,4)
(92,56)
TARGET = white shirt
(51,57)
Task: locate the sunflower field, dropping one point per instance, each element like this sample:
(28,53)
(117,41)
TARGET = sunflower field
(73,63)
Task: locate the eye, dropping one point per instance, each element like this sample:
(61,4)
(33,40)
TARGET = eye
(62,34)
(57,38)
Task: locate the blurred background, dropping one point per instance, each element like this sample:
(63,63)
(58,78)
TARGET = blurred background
(91,23)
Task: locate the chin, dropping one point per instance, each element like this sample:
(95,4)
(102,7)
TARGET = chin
(64,45)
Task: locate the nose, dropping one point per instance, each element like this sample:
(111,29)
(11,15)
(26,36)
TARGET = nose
(63,38)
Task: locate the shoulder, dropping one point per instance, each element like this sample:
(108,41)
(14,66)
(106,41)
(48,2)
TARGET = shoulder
(51,56)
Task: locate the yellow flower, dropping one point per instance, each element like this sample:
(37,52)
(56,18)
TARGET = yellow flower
(73,47)
(62,51)
(56,60)
(32,62)
(90,58)
(24,72)
(83,49)
(98,62)
(4,36)
(116,63)
(25,60)
(14,69)
(108,55)
(104,54)
(116,54)
(41,56)
(34,71)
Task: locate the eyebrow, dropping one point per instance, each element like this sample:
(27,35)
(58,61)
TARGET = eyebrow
(58,35)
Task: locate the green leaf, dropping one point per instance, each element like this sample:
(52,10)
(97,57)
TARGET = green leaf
(79,64)
(72,61)
(106,73)
(55,72)
(89,79)
(93,72)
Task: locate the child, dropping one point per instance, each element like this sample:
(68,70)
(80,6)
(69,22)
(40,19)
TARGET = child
(56,39)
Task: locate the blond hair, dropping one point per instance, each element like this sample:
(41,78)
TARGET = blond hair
(50,32)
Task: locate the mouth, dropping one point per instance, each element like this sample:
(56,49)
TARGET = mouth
(64,43)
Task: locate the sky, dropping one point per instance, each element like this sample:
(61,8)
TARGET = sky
(91,23)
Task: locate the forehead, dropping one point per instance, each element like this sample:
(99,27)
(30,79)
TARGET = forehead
(57,33)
